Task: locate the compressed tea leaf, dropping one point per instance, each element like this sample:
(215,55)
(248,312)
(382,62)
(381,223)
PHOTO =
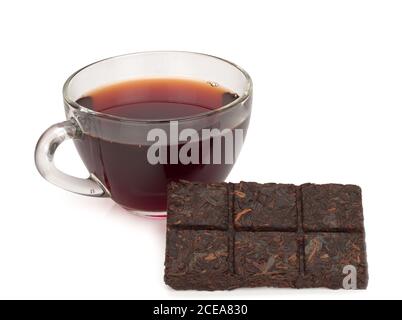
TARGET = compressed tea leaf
(225,235)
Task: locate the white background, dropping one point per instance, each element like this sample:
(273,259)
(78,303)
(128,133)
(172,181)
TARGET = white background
(327,108)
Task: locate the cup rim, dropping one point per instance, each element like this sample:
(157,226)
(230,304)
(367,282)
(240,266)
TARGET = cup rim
(244,96)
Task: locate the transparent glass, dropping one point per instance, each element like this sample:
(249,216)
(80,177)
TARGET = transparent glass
(94,132)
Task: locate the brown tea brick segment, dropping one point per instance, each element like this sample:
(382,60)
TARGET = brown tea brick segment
(267,258)
(327,254)
(196,204)
(196,252)
(332,207)
(265,206)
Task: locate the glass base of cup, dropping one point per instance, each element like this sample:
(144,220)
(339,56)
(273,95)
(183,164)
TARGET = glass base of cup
(147,214)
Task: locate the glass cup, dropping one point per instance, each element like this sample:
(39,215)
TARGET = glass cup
(114,149)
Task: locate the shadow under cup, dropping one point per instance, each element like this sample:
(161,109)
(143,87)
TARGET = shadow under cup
(115,150)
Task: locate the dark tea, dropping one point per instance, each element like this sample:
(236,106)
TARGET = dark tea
(124,169)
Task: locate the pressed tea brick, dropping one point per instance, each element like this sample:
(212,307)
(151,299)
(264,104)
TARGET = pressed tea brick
(225,236)
(326,255)
(265,206)
(267,258)
(332,207)
(197,251)
(198,205)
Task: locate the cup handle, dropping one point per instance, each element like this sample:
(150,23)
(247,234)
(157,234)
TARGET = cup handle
(44,156)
